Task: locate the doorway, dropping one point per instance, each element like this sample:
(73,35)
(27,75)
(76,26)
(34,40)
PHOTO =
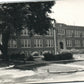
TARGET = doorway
(61,45)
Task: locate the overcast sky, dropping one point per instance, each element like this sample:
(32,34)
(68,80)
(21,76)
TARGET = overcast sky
(64,11)
(69,12)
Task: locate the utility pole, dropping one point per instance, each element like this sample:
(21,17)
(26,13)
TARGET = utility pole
(55,35)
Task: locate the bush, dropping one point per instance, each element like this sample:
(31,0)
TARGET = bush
(21,57)
(63,56)
(17,56)
(30,58)
(48,56)
(1,56)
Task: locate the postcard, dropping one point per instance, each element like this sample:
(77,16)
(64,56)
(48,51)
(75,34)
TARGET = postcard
(41,41)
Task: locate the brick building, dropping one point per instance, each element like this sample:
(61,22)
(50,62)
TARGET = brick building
(67,37)
(37,43)
(71,37)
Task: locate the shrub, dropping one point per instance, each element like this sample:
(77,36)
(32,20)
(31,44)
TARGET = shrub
(1,56)
(48,56)
(63,56)
(17,57)
(21,57)
(30,58)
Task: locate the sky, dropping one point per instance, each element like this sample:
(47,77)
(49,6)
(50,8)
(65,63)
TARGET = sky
(70,12)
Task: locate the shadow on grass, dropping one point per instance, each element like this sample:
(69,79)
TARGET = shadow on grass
(29,66)
(4,64)
(33,66)
(23,65)
(70,61)
(65,61)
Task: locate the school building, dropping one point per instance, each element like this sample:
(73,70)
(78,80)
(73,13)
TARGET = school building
(67,37)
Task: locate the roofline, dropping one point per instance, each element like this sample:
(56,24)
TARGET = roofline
(70,25)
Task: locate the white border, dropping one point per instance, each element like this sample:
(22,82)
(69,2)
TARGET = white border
(18,1)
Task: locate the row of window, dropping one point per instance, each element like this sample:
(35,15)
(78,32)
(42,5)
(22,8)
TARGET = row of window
(25,32)
(38,43)
(69,33)
(76,33)
(26,43)
(77,43)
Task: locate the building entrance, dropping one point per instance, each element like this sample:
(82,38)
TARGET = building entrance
(61,45)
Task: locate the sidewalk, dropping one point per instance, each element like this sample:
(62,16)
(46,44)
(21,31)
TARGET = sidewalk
(61,68)
(58,73)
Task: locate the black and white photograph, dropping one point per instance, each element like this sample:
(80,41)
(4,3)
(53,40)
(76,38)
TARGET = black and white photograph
(41,41)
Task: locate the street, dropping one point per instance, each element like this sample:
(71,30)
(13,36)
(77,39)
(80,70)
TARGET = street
(50,73)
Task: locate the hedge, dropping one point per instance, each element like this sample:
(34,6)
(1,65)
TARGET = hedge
(21,57)
(63,56)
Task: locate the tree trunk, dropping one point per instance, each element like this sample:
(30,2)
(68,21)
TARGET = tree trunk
(5,39)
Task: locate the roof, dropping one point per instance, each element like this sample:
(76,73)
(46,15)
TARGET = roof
(68,26)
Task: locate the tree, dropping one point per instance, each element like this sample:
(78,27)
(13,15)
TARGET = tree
(39,20)
(12,20)
(15,17)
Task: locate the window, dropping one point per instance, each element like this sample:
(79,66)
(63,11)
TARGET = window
(38,43)
(49,43)
(24,32)
(12,43)
(25,43)
(77,33)
(69,43)
(77,43)
(69,33)
(61,31)
(50,32)
(82,33)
